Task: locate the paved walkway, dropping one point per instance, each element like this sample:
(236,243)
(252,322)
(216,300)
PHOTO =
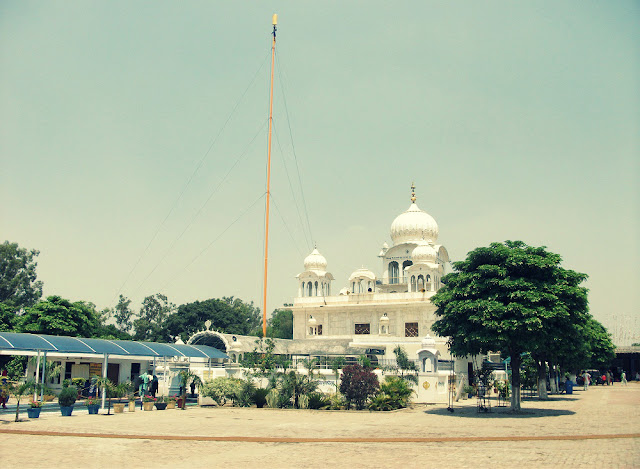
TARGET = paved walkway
(597,427)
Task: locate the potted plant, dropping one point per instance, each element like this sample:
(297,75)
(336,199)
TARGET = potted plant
(132,401)
(18,390)
(161,403)
(66,399)
(468,391)
(171,402)
(34,409)
(93,405)
(148,402)
(187,377)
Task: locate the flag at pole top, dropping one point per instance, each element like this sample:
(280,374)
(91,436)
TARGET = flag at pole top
(275,19)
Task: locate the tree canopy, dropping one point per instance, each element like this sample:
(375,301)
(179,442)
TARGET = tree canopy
(230,315)
(58,316)
(18,285)
(512,298)
(280,324)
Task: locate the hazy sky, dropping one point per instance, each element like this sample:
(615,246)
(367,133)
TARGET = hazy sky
(133,139)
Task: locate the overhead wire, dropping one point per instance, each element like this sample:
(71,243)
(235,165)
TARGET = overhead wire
(184,188)
(195,216)
(214,241)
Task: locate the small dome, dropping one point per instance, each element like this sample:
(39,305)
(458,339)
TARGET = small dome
(428,342)
(315,261)
(384,318)
(423,253)
(312,321)
(362,273)
(414,225)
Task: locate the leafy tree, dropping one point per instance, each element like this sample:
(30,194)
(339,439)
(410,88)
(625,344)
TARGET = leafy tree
(221,389)
(508,297)
(19,390)
(229,315)
(357,385)
(8,318)
(58,316)
(294,385)
(280,324)
(123,313)
(153,313)
(18,285)
(408,369)
(187,377)
(337,363)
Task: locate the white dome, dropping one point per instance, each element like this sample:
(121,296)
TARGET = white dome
(428,342)
(414,225)
(423,253)
(362,273)
(312,321)
(315,261)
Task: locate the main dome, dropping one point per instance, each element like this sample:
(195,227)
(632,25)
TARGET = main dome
(315,261)
(413,226)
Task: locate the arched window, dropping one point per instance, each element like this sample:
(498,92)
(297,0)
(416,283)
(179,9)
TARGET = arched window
(309,289)
(413,283)
(420,283)
(428,278)
(393,272)
(353,287)
(405,264)
(316,288)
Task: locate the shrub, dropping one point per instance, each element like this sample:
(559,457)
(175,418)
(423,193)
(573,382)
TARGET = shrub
(273,399)
(395,393)
(337,401)
(260,397)
(357,385)
(318,400)
(221,389)
(244,393)
(303,402)
(67,396)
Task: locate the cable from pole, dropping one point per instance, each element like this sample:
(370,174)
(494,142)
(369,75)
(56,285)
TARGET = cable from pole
(215,190)
(295,157)
(244,212)
(175,204)
(286,226)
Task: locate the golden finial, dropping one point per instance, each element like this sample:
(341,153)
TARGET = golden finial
(413,192)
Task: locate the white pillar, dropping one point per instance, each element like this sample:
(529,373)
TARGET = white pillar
(104,375)
(35,390)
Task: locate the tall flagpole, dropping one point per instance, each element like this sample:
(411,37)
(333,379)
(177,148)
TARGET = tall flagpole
(266,230)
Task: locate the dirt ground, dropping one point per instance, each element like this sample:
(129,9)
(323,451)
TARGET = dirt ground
(599,427)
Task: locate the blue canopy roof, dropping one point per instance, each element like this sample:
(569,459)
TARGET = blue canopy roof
(19,342)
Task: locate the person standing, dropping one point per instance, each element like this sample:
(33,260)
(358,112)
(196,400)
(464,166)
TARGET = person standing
(623,378)
(586,377)
(154,385)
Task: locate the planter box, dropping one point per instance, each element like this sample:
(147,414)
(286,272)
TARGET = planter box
(118,408)
(66,410)
(33,412)
(147,405)
(132,406)
(93,409)
(171,405)
(161,405)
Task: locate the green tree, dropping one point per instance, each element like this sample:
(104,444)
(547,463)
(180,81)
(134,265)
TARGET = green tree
(8,318)
(150,324)
(58,316)
(280,324)
(18,285)
(407,369)
(229,315)
(123,314)
(507,297)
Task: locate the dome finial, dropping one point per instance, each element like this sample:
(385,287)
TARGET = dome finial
(413,192)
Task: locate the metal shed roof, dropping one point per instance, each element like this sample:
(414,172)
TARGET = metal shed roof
(19,343)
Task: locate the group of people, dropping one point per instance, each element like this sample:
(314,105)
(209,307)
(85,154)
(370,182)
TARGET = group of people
(147,385)
(605,378)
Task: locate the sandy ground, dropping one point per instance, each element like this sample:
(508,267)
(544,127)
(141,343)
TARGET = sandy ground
(598,427)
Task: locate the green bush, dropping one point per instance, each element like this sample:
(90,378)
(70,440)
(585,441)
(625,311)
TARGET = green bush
(245,393)
(318,400)
(337,401)
(395,393)
(222,389)
(260,397)
(67,396)
(273,399)
(303,402)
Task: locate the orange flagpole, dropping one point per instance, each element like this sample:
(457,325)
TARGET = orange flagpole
(266,231)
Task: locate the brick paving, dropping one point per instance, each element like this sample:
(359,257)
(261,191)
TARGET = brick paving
(597,427)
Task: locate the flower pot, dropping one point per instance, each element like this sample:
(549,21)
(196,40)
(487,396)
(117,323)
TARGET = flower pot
(147,405)
(66,410)
(161,405)
(118,408)
(132,406)
(171,405)
(93,408)
(34,412)
(179,403)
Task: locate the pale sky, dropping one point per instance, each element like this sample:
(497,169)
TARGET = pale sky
(133,135)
